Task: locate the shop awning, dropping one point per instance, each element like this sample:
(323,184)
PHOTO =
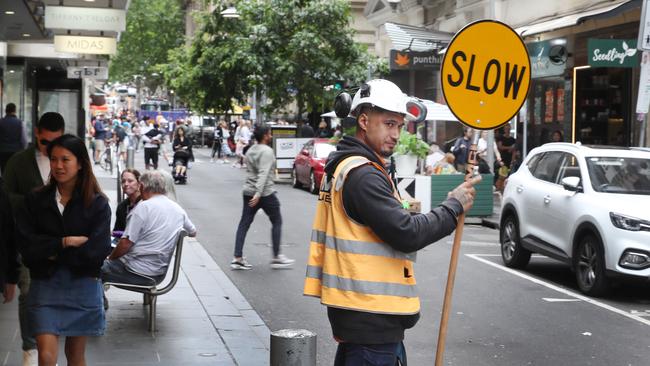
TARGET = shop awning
(438,112)
(576,18)
(416,38)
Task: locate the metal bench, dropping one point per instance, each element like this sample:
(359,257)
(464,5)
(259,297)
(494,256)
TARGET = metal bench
(150,293)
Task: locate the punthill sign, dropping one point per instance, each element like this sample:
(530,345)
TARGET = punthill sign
(408,60)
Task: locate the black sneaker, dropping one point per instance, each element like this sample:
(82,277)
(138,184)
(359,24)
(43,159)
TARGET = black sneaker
(241,264)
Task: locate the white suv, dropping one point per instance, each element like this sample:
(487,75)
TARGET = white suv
(586,206)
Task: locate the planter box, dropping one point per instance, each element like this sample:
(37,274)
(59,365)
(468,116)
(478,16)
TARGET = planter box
(430,191)
(444,183)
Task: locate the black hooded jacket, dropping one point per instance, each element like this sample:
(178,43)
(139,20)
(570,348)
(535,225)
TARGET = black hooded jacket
(368,199)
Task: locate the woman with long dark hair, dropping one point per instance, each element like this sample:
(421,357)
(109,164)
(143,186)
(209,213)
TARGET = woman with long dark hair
(130,179)
(64,236)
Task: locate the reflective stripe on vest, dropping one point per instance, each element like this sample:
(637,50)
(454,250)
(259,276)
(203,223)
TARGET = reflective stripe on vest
(349,266)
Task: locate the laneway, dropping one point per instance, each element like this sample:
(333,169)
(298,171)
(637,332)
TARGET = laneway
(497,318)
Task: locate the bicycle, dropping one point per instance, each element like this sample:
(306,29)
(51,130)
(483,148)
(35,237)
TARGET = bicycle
(106,157)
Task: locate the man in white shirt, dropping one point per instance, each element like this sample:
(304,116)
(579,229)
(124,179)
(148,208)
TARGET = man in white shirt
(143,254)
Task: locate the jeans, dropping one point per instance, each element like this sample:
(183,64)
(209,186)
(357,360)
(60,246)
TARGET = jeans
(113,270)
(29,342)
(389,354)
(271,206)
(216,148)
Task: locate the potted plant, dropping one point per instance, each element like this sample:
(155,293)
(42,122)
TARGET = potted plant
(409,148)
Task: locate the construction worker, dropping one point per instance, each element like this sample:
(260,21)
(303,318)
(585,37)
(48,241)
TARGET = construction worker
(363,241)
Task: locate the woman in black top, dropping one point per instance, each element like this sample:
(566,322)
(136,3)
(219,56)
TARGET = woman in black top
(64,236)
(131,187)
(182,146)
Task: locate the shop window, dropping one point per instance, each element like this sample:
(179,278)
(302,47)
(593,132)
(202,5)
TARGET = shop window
(603,106)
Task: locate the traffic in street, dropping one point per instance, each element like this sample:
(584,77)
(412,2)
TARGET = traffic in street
(500,316)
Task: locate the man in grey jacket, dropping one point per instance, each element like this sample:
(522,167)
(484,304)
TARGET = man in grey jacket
(259,193)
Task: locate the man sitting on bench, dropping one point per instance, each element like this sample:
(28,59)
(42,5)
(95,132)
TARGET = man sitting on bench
(143,253)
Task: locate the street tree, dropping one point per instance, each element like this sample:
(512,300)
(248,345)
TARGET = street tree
(215,68)
(153,27)
(286,50)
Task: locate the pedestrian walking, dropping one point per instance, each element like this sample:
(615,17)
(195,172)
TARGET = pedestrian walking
(137,135)
(363,241)
(26,171)
(12,135)
(217,141)
(259,193)
(64,236)
(461,148)
(152,140)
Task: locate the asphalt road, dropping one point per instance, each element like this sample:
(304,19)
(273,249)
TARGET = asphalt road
(499,316)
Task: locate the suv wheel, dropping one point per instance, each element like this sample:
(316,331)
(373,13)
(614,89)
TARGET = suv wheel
(590,266)
(513,253)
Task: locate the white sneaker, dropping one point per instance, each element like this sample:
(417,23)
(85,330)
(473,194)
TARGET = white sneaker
(240,264)
(212,160)
(30,358)
(281,261)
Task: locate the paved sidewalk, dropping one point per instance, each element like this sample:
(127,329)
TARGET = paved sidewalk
(203,320)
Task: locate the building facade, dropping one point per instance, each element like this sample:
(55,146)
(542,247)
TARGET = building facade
(51,54)
(577,89)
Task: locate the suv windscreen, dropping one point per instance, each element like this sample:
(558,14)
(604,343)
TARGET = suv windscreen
(619,174)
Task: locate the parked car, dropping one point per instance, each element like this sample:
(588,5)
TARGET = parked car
(202,130)
(308,167)
(586,206)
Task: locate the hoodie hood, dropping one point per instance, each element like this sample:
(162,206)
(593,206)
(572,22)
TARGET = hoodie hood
(349,146)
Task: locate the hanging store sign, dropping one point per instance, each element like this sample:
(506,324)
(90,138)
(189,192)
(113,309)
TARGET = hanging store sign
(612,53)
(402,60)
(90,45)
(68,17)
(485,83)
(547,58)
(98,73)
(643,98)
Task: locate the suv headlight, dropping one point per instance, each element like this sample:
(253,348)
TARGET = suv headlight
(628,222)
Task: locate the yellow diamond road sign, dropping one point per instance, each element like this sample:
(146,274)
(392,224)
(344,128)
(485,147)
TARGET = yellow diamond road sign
(485,74)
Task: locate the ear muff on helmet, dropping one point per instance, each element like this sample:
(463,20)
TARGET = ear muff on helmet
(416,108)
(342,105)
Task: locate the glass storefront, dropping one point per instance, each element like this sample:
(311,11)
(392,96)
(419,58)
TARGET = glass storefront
(603,106)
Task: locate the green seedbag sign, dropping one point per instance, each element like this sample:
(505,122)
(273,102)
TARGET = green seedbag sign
(612,52)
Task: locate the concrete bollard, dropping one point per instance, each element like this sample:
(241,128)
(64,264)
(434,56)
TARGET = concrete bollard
(293,347)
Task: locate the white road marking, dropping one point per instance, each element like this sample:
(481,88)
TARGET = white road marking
(550,299)
(561,290)
(588,334)
(475,243)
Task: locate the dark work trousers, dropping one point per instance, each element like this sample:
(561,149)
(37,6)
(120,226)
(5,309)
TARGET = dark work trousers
(216,148)
(271,206)
(151,157)
(389,354)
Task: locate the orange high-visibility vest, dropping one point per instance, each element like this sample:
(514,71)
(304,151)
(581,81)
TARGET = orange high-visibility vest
(349,267)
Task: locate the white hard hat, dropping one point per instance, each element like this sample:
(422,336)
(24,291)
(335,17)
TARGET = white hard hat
(383,94)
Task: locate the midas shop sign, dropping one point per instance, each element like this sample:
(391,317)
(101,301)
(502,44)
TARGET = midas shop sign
(402,60)
(484,82)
